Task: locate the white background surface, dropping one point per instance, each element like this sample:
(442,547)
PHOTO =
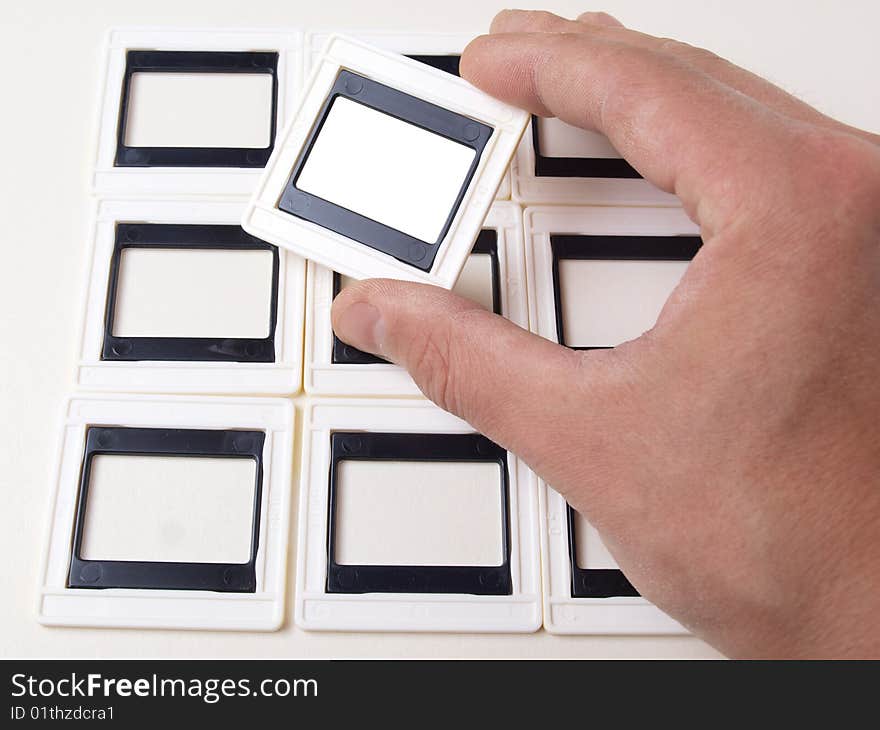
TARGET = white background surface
(826,52)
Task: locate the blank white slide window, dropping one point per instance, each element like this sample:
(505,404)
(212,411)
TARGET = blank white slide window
(419,513)
(223,110)
(591,551)
(558,139)
(169,509)
(476,280)
(386,169)
(604,303)
(164,292)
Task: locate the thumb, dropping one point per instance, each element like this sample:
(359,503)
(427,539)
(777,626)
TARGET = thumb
(514,387)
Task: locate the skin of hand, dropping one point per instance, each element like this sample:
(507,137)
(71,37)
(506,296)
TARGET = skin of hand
(729,457)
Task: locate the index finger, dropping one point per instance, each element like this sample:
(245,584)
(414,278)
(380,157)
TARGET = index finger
(681,129)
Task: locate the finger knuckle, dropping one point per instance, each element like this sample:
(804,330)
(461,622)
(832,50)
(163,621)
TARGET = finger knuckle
(702,57)
(670,45)
(846,167)
(694,54)
(431,364)
(601,16)
(538,19)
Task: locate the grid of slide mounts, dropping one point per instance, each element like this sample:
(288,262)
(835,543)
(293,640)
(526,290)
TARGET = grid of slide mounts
(217,416)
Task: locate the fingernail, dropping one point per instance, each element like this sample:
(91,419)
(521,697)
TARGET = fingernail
(360,325)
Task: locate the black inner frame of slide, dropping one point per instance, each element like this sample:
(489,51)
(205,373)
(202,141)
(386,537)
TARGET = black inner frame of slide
(491,580)
(187,349)
(195,62)
(221,577)
(613,167)
(607,582)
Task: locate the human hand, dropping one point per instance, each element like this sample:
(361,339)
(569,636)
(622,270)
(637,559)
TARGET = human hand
(729,457)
